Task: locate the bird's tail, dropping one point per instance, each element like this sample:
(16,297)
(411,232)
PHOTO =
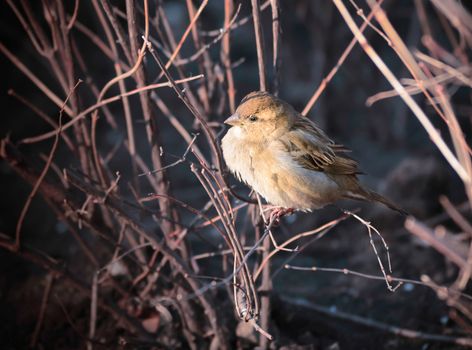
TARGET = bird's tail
(367,195)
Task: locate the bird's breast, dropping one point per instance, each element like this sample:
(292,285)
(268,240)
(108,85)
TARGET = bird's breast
(238,154)
(272,172)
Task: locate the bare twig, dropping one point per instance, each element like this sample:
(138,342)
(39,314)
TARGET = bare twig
(43,174)
(259,44)
(425,122)
(438,243)
(274,5)
(181,159)
(323,228)
(102,103)
(226,58)
(42,310)
(42,86)
(384,327)
(324,83)
(371,228)
(93,310)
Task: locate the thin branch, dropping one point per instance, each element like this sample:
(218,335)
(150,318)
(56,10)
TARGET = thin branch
(181,159)
(19,224)
(373,277)
(259,44)
(371,228)
(276,59)
(423,119)
(35,80)
(326,80)
(381,326)
(102,103)
(440,244)
(226,56)
(42,310)
(322,229)
(93,310)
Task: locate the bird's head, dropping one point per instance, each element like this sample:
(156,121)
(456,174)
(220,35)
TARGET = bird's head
(261,115)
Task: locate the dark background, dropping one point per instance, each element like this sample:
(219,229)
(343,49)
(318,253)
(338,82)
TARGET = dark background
(391,146)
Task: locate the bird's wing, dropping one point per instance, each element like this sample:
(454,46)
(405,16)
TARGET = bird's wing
(312,149)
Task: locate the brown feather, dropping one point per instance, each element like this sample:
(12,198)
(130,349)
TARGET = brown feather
(318,152)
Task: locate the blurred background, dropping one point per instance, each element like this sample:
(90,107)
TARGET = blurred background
(102,253)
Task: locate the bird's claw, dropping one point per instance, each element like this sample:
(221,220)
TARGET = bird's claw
(279,212)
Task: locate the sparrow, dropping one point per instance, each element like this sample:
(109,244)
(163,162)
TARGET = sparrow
(288,159)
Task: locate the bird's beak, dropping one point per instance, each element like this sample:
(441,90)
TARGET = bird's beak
(233,120)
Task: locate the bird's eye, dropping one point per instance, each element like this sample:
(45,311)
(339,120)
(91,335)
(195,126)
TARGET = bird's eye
(253,118)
